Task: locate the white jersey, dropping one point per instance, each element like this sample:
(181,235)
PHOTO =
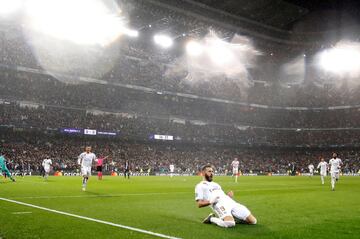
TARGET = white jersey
(311,168)
(323,167)
(335,165)
(225,205)
(86,159)
(172,168)
(235,164)
(46,164)
(207,190)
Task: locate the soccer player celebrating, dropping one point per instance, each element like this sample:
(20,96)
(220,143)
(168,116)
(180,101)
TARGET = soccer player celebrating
(235,165)
(46,165)
(335,165)
(209,193)
(99,166)
(85,160)
(4,169)
(311,169)
(323,169)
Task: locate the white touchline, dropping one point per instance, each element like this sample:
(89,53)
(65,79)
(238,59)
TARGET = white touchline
(91,219)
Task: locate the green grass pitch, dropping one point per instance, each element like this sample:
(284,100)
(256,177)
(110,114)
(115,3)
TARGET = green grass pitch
(286,207)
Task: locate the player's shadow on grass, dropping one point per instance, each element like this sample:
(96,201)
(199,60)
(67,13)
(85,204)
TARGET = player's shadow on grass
(250,231)
(95,193)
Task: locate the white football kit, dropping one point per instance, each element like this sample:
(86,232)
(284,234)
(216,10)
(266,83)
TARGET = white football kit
(335,167)
(235,166)
(172,168)
(46,165)
(225,205)
(86,160)
(323,168)
(311,169)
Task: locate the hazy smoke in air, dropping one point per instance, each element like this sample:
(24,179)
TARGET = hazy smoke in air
(214,63)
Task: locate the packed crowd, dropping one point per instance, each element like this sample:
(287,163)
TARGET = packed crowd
(46,90)
(28,150)
(144,127)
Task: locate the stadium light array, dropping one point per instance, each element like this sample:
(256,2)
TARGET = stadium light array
(163,41)
(130,33)
(8,7)
(219,52)
(344,58)
(194,48)
(80,21)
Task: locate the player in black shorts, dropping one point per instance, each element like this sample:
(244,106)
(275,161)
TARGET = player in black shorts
(127,169)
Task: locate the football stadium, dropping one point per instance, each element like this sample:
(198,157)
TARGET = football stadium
(179,119)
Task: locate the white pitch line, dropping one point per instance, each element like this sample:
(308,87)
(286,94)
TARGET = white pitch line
(91,219)
(94,196)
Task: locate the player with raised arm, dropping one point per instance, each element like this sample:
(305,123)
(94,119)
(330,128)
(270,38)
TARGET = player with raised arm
(323,169)
(335,165)
(99,166)
(235,168)
(311,169)
(209,193)
(4,169)
(46,164)
(86,160)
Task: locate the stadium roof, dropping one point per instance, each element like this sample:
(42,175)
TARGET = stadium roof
(290,22)
(282,14)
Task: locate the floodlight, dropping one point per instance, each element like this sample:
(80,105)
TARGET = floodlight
(342,59)
(8,7)
(80,21)
(194,48)
(163,41)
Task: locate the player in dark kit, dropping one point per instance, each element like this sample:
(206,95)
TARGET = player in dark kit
(127,169)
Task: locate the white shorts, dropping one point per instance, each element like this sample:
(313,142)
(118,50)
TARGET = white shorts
(323,174)
(235,171)
(47,169)
(237,210)
(335,174)
(86,171)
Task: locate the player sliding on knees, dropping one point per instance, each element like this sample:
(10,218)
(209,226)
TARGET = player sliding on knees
(209,193)
(86,160)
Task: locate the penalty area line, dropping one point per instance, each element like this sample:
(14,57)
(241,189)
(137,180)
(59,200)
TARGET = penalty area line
(91,219)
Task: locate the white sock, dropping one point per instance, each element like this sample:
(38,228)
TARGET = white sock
(222,223)
(217,221)
(322,179)
(84,182)
(332,183)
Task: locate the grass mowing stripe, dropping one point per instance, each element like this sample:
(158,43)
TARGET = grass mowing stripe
(91,219)
(94,196)
(18,213)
